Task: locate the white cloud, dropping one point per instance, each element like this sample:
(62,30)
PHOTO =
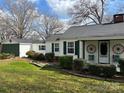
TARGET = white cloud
(34,0)
(61,6)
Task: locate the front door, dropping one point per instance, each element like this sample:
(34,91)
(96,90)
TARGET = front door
(104,52)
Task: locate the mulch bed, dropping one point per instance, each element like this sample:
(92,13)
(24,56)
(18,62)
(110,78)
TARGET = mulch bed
(116,78)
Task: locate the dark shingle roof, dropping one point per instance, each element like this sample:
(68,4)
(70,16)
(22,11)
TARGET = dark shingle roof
(92,31)
(54,37)
(22,41)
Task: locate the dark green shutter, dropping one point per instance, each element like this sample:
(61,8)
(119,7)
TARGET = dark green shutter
(83,49)
(77,48)
(64,47)
(52,47)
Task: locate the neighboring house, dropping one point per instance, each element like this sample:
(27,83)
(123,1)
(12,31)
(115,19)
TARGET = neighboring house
(19,47)
(102,44)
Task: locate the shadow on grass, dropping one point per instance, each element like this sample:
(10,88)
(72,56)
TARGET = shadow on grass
(56,68)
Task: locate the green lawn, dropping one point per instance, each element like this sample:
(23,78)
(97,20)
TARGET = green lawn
(22,77)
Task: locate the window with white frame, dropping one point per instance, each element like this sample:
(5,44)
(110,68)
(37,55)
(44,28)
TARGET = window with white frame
(70,47)
(56,47)
(42,47)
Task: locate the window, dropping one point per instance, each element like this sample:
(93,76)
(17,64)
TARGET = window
(70,47)
(91,57)
(103,49)
(116,58)
(56,47)
(42,47)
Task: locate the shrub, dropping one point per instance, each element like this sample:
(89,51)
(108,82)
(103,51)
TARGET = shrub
(94,69)
(85,66)
(35,56)
(6,56)
(1,56)
(121,65)
(49,57)
(102,70)
(66,62)
(78,65)
(30,54)
(56,58)
(40,56)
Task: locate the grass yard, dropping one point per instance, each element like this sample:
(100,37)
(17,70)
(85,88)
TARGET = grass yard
(21,77)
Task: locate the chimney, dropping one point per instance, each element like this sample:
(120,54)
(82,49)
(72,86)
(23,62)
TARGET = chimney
(118,18)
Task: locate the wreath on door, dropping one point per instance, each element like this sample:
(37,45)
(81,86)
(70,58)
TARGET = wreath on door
(118,49)
(91,48)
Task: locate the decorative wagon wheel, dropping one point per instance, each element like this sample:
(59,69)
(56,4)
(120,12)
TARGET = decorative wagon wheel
(91,48)
(118,49)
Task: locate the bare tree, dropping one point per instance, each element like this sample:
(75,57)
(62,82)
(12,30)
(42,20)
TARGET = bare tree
(18,17)
(48,25)
(89,11)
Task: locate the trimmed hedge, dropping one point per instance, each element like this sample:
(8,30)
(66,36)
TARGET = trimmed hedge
(66,62)
(56,58)
(102,70)
(121,65)
(40,56)
(49,57)
(78,65)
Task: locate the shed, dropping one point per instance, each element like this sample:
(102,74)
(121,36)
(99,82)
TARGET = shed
(19,47)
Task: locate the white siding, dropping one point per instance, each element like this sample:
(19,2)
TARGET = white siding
(95,54)
(112,43)
(23,49)
(87,42)
(26,47)
(35,47)
(49,48)
(60,53)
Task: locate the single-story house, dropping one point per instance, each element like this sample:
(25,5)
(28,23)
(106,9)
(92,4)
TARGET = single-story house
(19,47)
(101,44)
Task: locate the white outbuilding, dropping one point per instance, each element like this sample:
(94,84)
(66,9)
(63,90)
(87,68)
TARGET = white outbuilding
(19,47)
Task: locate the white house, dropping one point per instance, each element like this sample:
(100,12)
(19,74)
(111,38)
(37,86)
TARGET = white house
(19,47)
(102,44)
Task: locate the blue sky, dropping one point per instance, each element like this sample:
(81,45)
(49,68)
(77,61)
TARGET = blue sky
(113,7)
(55,7)
(44,7)
(60,7)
